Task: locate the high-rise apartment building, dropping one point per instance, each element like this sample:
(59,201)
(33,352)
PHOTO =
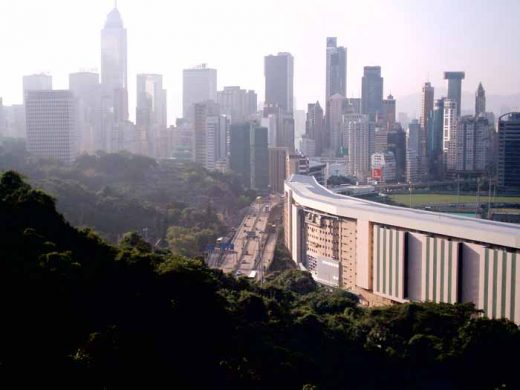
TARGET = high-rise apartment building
(412,151)
(51,124)
(239,151)
(427,99)
(336,109)
(277,169)
(249,155)
(455,88)
(473,141)
(259,157)
(358,131)
(199,84)
(372,92)
(279,77)
(201,112)
(114,68)
(389,111)
(336,69)
(480,100)
(435,139)
(239,105)
(315,127)
(217,131)
(509,150)
(383,167)
(449,138)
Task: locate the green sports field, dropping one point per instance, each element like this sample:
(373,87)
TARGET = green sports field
(430,199)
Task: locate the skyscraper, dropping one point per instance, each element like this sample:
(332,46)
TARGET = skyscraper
(199,84)
(277,169)
(259,157)
(426,104)
(238,104)
(372,92)
(449,145)
(455,88)
(336,109)
(389,111)
(114,66)
(51,124)
(358,130)
(412,151)
(239,152)
(473,144)
(336,71)
(151,101)
(480,100)
(509,150)
(315,126)
(279,75)
(150,111)
(86,89)
(435,138)
(201,112)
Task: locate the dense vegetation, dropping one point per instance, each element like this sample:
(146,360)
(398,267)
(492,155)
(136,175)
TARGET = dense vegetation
(79,313)
(117,193)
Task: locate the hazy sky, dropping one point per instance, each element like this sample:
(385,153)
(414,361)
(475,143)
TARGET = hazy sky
(413,40)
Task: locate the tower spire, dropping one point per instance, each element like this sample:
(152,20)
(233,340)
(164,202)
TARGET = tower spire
(115,4)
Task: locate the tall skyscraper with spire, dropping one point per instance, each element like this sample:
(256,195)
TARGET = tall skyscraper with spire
(480,100)
(114,66)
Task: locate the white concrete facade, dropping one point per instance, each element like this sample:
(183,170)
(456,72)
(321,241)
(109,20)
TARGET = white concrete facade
(391,254)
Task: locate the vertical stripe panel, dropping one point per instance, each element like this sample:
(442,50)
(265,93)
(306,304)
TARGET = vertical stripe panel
(390,263)
(508,285)
(434,269)
(515,292)
(503,283)
(398,265)
(486,281)
(495,283)
(377,271)
(384,260)
(427,271)
(449,270)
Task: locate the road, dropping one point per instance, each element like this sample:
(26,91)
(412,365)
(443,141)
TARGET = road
(254,242)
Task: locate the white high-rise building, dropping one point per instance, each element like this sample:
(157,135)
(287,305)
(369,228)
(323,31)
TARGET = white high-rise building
(217,130)
(474,143)
(199,84)
(449,136)
(358,132)
(51,125)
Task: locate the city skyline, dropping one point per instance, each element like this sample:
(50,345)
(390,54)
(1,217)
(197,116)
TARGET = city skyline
(152,50)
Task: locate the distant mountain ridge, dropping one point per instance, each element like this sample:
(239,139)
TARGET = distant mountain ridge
(499,104)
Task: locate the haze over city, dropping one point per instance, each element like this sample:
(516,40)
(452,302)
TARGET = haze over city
(266,194)
(413,41)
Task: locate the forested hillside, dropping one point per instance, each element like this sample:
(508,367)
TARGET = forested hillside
(117,193)
(80,313)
